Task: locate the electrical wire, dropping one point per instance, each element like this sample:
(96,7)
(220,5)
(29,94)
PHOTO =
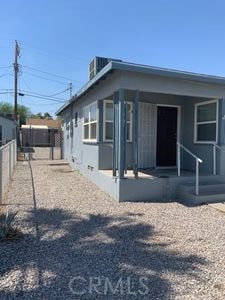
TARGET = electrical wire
(35,95)
(38,94)
(51,74)
(48,99)
(41,77)
(6,67)
(46,53)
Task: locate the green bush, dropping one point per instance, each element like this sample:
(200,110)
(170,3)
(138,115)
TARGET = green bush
(7,230)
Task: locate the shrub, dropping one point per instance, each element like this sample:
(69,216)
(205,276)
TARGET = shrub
(7,230)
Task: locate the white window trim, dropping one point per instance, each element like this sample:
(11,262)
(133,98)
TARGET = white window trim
(205,122)
(104,121)
(89,140)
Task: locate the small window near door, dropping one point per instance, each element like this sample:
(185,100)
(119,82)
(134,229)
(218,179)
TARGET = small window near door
(108,121)
(206,122)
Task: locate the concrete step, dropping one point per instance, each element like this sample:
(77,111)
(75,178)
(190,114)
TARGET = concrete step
(209,192)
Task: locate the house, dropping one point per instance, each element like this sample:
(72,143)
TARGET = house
(7,129)
(40,132)
(143,133)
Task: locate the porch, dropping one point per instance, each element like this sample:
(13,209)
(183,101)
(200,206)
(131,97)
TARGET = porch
(156,173)
(171,142)
(164,185)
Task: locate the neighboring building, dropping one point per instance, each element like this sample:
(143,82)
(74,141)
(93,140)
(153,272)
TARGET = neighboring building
(48,123)
(141,133)
(7,129)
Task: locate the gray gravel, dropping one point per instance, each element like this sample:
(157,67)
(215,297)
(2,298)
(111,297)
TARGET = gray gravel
(78,230)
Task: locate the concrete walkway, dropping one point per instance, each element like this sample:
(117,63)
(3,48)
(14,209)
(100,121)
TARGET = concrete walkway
(81,244)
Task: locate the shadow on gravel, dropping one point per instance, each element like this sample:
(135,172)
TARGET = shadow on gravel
(98,257)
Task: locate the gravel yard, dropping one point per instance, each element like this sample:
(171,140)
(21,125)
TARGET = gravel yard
(81,244)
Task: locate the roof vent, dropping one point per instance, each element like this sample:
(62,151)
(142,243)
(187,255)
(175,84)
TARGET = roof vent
(97,64)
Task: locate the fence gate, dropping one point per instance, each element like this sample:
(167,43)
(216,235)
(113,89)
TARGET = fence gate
(42,143)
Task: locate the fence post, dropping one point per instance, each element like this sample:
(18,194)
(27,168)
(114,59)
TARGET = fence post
(1,192)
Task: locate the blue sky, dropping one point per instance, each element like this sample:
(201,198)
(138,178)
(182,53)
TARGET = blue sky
(62,36)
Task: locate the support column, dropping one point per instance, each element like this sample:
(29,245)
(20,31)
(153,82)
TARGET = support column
(121,139)
(135,134)
(1,175)
(115,134)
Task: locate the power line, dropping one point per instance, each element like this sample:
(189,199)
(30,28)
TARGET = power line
(51,74)
(59,93)
(25,82)
(35,95)
(41,77)
(6,67)
(47,104)
(46,53)
(5,74)
(40,97)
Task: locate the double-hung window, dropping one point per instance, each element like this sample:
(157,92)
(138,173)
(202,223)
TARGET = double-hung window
(108,121)
(90,123)
(206,122)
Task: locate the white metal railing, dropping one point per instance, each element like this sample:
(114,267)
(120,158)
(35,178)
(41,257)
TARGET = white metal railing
(215,157)
(197,159)
(8,158)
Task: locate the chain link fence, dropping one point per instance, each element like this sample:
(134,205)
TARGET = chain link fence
(8,158)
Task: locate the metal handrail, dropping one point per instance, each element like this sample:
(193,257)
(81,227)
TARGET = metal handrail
(215,158)
(198,160)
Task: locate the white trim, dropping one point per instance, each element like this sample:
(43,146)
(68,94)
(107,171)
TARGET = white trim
(178,132)
(205,122)
(89,140)
(104,120)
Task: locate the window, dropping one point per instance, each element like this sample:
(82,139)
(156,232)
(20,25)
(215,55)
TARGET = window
(206,119)
(90,122)
(76,119)
(108,121)
(67,122)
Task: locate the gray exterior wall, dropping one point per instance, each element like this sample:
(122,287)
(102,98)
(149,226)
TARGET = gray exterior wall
(84,155)
(90,157)
(8,129)
(204,151)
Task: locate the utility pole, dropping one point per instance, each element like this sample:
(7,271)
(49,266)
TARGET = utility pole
(16,70)
(70,89)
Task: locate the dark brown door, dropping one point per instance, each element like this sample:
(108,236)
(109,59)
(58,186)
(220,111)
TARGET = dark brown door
(166,136)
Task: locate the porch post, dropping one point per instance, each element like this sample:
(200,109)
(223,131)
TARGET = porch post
(135,134)
(121,137)
(115,134)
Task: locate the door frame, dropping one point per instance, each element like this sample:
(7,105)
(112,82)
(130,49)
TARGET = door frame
(178,132)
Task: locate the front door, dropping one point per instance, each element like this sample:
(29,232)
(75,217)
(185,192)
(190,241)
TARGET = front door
(166,136)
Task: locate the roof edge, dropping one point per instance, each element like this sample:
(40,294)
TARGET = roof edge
(144,69)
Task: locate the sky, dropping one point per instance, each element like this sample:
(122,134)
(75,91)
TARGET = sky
(58,39)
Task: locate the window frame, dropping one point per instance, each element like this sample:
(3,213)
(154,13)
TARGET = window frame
(89,140)
(76,119)
(196,123)
(109,121)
